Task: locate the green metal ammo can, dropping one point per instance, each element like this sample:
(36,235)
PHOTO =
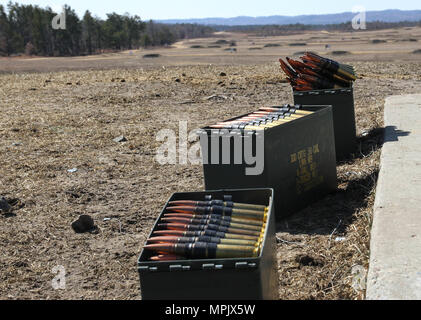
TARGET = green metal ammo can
(342,101)
(299,160)
(216,279)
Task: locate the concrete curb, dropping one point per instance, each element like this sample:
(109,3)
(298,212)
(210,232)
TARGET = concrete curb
(395,262)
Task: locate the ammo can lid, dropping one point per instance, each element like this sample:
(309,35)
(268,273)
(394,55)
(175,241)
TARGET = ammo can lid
(323,91)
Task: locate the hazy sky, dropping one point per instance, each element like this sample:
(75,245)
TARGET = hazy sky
(181,9)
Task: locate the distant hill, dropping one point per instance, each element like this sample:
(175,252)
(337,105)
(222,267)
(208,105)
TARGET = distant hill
(384,16)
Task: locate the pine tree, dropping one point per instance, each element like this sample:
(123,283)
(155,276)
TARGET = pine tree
(4,26)
(88,32)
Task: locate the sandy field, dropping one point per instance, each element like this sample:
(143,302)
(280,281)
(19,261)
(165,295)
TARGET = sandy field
(63,113)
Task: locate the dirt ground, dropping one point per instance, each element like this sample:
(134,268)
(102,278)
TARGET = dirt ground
(382,45)
(54,120)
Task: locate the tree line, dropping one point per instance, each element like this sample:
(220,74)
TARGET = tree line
(278,30)
(27,29)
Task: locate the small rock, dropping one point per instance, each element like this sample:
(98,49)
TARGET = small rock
(216,97)
(84,224)
(5,206)
(177,80)
(120,139)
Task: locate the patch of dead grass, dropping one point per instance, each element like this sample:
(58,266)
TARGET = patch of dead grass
(52,122)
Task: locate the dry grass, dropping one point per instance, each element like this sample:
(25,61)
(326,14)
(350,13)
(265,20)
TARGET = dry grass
(52,122)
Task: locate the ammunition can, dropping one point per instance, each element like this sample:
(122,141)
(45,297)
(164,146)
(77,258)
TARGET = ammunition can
(253,278)
(342,102)
(297,159)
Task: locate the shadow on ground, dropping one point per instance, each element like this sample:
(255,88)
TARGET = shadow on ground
(335,212)
(374,140)
(392,134)
(366,144)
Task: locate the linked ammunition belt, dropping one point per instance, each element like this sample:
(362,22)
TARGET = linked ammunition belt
(209,229)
